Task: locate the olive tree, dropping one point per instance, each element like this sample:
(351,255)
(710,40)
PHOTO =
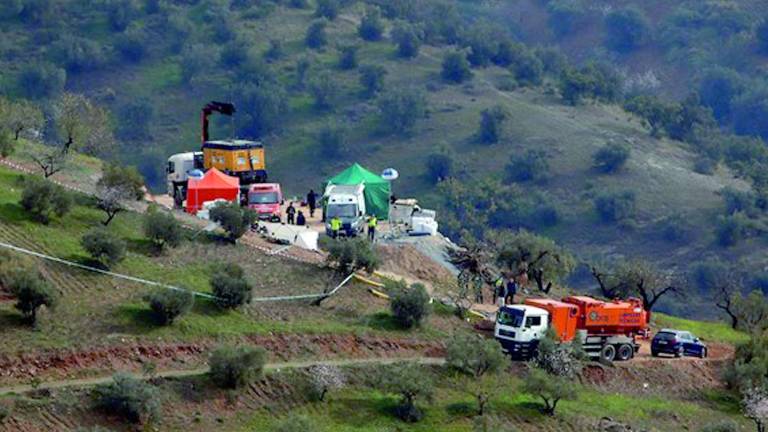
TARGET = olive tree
(235,367)
(474,358)
(233,218)
(43,199)
(410,305)
(400,109)
(167,305)
(103,246)
(32,292)
(411,383)
(550,389)
(162,228)
(230,286)
(491,122)
(638,278)
(20,116)
(129,397)
(535,257)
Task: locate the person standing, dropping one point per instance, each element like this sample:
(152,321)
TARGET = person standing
(300,219)
(477,281)
(312,202)
(335,226)
(291,213)
(498,288)
(511,291)
(372,223)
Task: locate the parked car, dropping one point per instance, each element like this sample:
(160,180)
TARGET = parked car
(678,343)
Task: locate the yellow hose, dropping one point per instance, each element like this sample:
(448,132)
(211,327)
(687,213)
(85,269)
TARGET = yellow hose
(368,281)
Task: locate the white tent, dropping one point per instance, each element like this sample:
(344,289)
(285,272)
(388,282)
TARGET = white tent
(300,236)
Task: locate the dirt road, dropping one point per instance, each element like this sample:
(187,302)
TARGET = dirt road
(270,367)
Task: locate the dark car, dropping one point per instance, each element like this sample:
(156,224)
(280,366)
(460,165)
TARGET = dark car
(678,343)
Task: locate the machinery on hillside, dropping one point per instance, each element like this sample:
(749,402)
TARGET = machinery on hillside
(237,158)
(607,330)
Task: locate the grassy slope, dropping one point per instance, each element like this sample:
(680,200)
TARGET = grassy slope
(94,308)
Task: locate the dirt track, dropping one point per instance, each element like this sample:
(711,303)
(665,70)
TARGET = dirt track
(59,364)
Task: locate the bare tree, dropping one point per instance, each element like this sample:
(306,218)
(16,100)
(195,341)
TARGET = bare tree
(475,270)
(111,199)
(727,286)
(755,406)
(326,378)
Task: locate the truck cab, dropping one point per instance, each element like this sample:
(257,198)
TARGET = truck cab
(519,328)
(347,202)
(265,199)
(177,173)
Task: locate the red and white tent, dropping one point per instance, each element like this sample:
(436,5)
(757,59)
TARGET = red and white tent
(212,186)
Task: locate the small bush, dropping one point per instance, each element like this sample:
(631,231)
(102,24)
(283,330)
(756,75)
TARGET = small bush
(236,367)
(626,30)
(705,166)
(721,426)
(233,218)
(7,144)
(440,166)
(103,246)
(327,9)
(230,286)
(43,199)
(162,228)
(348,57)
(371,27)
(611,158)
(529,166)
(456,67)
(132,46)
(410,305)
(349,255)
(316,37)
(41,81)
(332,140)
(549,388)
(408,40)
(275,50)
(372,79)
(134,400)
(324,90)
(491,123)
(400,110)
(616,207)
(167,305)
(732,229)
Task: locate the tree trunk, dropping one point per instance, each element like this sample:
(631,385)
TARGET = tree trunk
(16,133)
(110,216)
(482,400)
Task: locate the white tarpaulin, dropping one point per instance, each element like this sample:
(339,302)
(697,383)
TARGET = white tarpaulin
(300,236)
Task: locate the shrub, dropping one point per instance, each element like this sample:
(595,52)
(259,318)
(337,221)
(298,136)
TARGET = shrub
(410,382)
(194,59)
(474,356)
(674,228)
(324,90)
(32,291)
(616,207)
(162,229)
(233,54)
(351,255)
(718,88)
(491,122)
(167,305)
(316,37)
(410,305)
(456,67)
(528,69)
(563,16)
(132,46)
(348,57)
(626,30)
(296,423)
(7,144)
(327,9)
(134,119)
(133,399)
(529,166)
(408,41)
(371,27)
(236,367)
(732,229)
(611,158)
(326,378)
(440,166)
(230,286)
(233,218)
(103,246)
(372,79)
(43,199)
(400,109)
(299,4)
(550,389)
(261,108)
(332,140)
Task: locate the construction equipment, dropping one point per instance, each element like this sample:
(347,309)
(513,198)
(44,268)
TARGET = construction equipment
(607,330)
(405,215)
(237,158)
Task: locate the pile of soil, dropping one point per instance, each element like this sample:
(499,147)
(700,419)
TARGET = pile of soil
(407,261)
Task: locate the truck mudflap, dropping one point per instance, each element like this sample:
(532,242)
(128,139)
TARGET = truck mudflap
(519,350)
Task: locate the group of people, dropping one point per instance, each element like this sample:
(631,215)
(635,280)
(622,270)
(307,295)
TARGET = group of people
(294,217)
(504,290)
(372,221)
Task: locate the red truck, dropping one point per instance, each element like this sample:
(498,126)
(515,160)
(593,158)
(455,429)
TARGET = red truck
(607,329)
(266,199)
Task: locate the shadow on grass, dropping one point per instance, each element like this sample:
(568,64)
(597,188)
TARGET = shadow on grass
(13,213)
(87,261)
(136,319)
(207,307)
(142,246)
(383,321)
(461,409)
(10,319)
(358,411)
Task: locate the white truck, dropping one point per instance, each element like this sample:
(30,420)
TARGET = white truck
(177,174)
(347,202)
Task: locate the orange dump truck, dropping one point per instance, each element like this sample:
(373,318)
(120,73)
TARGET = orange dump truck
(605,329)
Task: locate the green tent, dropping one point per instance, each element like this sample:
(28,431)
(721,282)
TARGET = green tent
(377,189)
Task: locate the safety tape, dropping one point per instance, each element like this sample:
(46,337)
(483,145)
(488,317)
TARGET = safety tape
(167,286)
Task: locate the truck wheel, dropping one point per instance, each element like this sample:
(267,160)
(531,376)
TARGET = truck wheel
(625,352)
(608,353)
